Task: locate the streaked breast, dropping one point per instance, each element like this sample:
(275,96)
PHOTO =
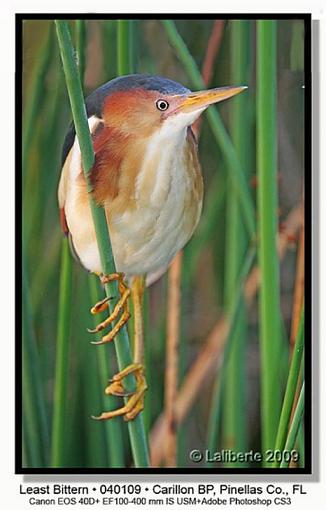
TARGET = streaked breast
(166,208)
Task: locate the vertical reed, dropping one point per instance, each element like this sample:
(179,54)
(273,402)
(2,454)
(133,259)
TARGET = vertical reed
(270,321)
(234,417)
(59,435)
(58,441)
(124,47)
(81,47)
(35,424)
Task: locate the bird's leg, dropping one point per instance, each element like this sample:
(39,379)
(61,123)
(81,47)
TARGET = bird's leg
(135,404)
(122,305)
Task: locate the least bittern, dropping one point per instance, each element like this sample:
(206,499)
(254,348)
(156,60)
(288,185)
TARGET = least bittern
(147,177)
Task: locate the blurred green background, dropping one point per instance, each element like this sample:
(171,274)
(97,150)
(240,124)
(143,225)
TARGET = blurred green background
(229,410)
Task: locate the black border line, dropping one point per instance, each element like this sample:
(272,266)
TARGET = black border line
(205,471)
(308,241)
(18,247)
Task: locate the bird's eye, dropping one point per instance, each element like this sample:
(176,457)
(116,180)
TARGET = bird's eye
(162,105)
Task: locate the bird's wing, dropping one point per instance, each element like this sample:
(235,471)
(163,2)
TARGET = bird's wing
(63,183)
(69,141)
(109,148)
(62,192)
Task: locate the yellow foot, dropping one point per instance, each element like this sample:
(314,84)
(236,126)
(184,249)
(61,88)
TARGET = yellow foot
(122,305)
(135,403)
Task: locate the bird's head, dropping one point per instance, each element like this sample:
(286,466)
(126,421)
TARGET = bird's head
(140,105)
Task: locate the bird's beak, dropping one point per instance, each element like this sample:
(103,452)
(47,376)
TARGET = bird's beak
(201,100)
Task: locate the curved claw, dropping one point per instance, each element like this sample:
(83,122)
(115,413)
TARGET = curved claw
(116,388)
(89,330)
(135,404)
(110,336)
(101,305)
(98,417)
(100,342)
(121,393)
(130,410)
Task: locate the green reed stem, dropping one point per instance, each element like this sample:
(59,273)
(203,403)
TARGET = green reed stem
(122,346)
(234,420)
(109,44)
(294,428)
(270,319)
(81,47)
(217,127)
(292,384)
(35,424)
(58,447)
(124,47)
(96,453)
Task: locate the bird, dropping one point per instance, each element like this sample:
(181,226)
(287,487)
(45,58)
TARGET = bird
(147,177)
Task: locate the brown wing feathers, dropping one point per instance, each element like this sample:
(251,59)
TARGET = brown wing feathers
(109,151)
